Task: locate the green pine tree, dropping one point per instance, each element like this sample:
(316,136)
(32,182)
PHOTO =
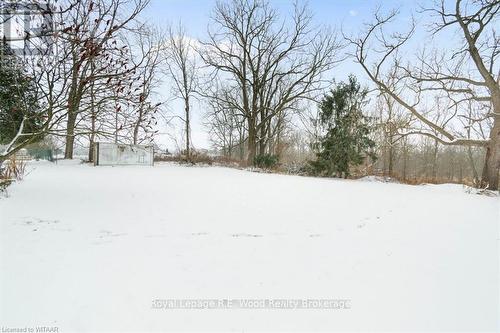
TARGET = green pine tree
(346,141)
(17,97)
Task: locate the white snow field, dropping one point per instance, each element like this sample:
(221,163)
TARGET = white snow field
(88,248)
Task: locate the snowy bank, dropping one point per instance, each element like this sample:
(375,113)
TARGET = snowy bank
(91,248)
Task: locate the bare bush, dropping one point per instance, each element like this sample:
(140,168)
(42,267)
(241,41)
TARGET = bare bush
(13,169)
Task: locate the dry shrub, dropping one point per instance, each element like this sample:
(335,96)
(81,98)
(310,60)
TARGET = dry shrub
(432,180)
(229,162)
(167,158)
(419,180)
(195,158)
(200,158)
(10,171)
(13,169)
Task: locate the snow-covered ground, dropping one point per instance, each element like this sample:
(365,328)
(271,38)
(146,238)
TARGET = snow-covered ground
(89,248)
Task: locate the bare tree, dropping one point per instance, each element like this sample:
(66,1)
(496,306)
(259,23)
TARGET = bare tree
(89,76)
(92,31)
(469,73)
(225,124)
(270,63)
(390,122)
(120,108)
(150,45)
(182,68)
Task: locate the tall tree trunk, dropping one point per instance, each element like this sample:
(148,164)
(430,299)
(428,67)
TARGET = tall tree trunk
(262,142)
(241,145)
(116,125)
(92,138)
(91,151)
(93,117)
(251,143)
(138,124)
(434,159)
(391,158)
(230,142)
(492,160)
(277,145)
(263,134)
(477,180)
(405,159)
(70,135)
(73,106)
(188,129)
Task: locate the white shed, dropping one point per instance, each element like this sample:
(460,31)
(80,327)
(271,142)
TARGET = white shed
(106,153)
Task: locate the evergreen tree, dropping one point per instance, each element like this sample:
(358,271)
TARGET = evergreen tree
(17,97)
(346,141)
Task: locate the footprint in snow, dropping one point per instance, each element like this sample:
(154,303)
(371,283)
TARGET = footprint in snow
(199,233)
(106,233)
(39,221)
(246,235)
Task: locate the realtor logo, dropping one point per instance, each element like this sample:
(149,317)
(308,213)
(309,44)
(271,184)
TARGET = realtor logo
(27,27)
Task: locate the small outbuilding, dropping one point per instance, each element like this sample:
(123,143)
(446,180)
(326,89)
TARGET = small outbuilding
(106,153)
